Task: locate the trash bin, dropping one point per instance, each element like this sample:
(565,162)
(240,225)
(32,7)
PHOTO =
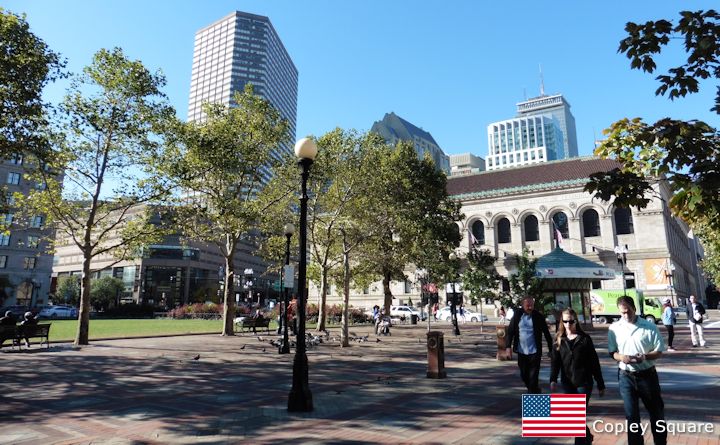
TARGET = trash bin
(413,319)
(436,355)
(502,343)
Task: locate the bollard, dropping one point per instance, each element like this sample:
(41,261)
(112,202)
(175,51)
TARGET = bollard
(436,355)
(501,332)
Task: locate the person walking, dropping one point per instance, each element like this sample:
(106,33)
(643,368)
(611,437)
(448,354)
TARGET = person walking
(636,344)
(527,327)
(575,360)
(502,314)
(668,320)
(695,314)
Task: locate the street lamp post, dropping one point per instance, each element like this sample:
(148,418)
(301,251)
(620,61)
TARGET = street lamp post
(300,397)
(669,276)
(289,229)
(453,302)
(621,252)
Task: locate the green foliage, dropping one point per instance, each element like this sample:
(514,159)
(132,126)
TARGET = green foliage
(221,165)
(480,278)
(525,282)
(27,65)
(68,290)
(684,154)
(104,292)
(107,136)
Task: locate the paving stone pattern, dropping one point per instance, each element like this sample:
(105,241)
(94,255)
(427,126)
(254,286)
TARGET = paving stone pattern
(153,391)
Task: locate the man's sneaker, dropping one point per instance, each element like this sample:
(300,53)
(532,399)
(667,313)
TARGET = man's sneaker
(671,349)
(695,346)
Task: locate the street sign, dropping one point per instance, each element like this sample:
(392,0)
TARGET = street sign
(289,276)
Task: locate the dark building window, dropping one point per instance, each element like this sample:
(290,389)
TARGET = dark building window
(478,231)
(561,223)
(591,223)
(623,221)
(503,228)
(629,280)
(531,228)
(596,284)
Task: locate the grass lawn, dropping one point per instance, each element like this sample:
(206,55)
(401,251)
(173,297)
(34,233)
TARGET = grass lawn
(65,330)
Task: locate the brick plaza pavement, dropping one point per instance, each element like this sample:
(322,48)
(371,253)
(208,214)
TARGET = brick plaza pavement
(151,390)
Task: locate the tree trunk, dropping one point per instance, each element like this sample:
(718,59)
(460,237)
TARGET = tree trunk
(82,336)
(228,303)
(323,300)
(387,292)
(346,300)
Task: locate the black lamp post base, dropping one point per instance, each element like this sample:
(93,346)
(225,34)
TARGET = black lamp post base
(300,398)
(284,348)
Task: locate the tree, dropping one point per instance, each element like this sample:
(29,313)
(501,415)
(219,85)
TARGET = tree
(104,292)
(27,65)
(412,216)
(107,136)
(480,278)
(686,154)
(68,290)
(222,165)
(525,282)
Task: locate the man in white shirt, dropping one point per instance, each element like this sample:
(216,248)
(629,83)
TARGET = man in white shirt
(695,314)
(636,344)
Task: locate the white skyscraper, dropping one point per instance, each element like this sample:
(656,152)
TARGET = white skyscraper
(238,49)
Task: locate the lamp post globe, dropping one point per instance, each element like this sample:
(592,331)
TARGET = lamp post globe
(300,397)
(288,230)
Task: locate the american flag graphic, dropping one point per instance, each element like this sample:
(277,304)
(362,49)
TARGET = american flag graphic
(553,415)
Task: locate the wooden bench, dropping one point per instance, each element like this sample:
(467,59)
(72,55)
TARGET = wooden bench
(20,332)
(254,323)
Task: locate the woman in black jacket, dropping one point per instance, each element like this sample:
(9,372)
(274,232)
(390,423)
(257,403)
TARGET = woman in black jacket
(574,358)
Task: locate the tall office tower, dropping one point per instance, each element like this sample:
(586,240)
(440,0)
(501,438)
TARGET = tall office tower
(466,164)
(238,49)
(559,109)
(523,141)
(393,128)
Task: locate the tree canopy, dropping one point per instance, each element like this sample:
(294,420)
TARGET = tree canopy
(685,153)
(221,168)
(95,179)
(26,65)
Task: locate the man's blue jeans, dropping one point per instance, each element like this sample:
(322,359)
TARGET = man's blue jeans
(645,386)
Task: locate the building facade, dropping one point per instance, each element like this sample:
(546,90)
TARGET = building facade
(25,264)
(528,207)
(523,141)
(393,129)
(558,108)
(465,164)
(178,271)
(238,49)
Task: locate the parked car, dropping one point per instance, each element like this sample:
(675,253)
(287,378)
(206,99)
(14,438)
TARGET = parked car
(58,312)
(446,314)
(404,311)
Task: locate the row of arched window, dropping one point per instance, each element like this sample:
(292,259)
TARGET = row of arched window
(590,226)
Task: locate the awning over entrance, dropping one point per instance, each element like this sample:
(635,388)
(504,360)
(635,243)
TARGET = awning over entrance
(559,264)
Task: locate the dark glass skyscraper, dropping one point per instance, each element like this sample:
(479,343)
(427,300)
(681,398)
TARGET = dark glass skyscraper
(238,49)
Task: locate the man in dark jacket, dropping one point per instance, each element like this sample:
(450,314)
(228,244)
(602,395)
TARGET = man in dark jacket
(525,333)
(695,315)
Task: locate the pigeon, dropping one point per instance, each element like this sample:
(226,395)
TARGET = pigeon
(260,338)
(197,357)
(377,340)
(243,347)
(263,349)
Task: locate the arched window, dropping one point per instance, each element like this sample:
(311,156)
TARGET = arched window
(478,231)
(591,223)
(623,221)
(531,228)
(503,230)
(561,223)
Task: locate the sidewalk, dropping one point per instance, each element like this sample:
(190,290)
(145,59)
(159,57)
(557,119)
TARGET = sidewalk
(152,390)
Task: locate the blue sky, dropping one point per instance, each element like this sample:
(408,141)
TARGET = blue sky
(449,67)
